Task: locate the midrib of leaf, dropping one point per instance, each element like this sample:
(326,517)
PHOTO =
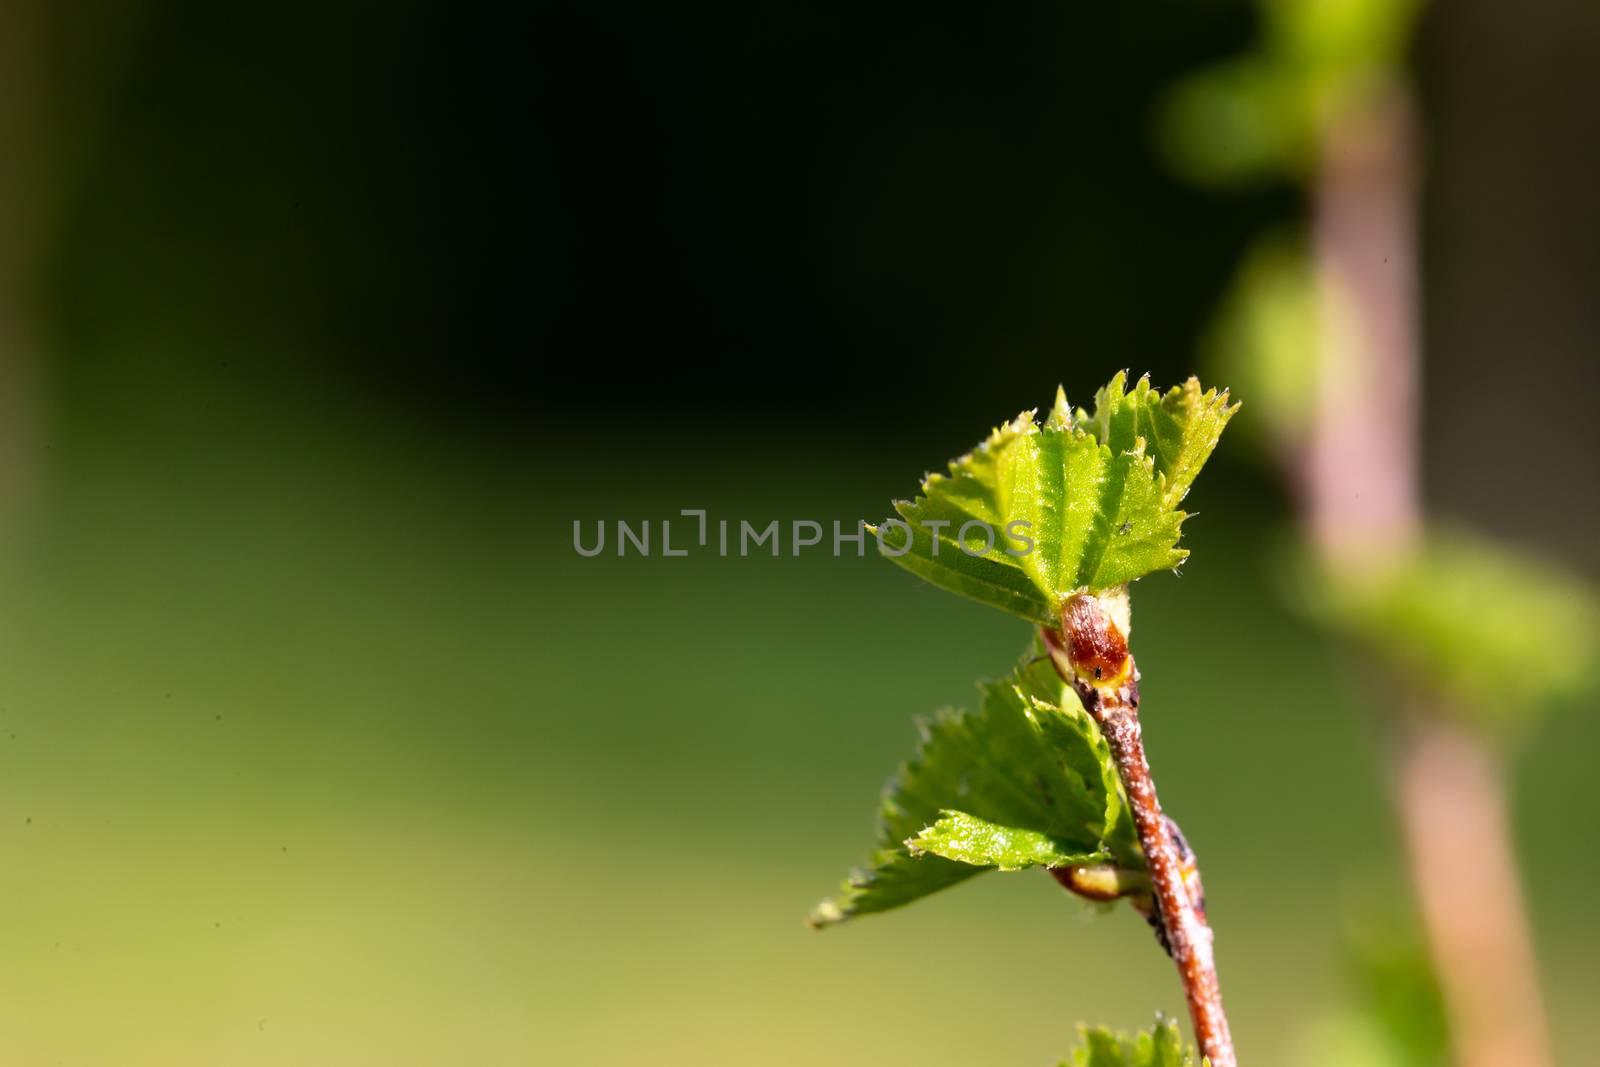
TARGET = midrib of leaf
(1023,496)
(1112,487)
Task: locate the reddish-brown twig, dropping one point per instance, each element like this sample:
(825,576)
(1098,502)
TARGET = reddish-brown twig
(1091,653)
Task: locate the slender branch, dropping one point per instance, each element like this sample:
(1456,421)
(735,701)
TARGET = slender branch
(1091,654)
(1358,474)
(1452,801)
(1362,510)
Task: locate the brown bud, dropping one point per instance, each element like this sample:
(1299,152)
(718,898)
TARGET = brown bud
(1095,647)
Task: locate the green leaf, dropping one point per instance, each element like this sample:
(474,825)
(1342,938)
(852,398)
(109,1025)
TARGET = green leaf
(1180,429)
(969,839)
(1074,739)
(1496,634)
(1030,763)
(1160,1046)
(1039,511)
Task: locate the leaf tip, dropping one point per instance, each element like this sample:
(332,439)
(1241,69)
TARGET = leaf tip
(1060,413)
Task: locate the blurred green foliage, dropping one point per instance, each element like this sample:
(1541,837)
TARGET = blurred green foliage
(1259,116)
(1393,979)
(1490,634)
(1261,339)
(1390,1013)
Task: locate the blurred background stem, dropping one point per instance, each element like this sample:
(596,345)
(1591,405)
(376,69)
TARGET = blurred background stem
(58,86)
(1452,799)
(22,220)
(1359,491)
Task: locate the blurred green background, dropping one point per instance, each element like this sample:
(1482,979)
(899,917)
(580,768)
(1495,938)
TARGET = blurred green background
(319,326)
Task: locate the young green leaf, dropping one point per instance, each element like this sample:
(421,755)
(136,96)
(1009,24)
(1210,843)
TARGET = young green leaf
(1160,1046)
(1180,428)
(1072,737)
(1029,764)
(1038,511)
(969,839)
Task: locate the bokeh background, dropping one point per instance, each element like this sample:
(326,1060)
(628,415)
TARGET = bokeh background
(321,323)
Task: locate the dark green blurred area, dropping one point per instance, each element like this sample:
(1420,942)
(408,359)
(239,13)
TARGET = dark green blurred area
(318,742)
